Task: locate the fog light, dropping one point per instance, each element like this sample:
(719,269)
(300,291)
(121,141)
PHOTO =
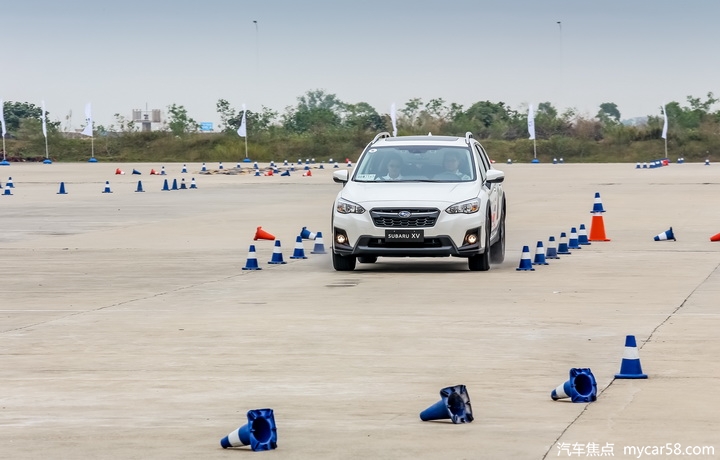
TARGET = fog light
(340,238)
(471,239)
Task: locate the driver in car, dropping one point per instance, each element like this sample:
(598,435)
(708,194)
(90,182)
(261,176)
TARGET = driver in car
(451,165)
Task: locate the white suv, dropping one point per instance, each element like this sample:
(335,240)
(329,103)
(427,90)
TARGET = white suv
(420,196)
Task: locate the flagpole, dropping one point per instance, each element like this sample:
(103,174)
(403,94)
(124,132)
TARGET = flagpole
(246,155)
(534,150)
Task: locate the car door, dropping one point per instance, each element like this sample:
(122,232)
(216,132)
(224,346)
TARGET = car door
(492,190)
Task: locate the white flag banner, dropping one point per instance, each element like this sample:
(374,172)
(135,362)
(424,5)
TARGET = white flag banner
(2,117)
(242,130)
(393,117)
(88,131)
(42,117)
(664,133)
(531,122)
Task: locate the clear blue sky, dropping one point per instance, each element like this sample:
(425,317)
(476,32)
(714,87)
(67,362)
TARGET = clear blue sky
(121,56)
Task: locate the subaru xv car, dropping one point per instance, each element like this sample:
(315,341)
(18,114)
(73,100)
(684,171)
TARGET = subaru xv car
(420,196)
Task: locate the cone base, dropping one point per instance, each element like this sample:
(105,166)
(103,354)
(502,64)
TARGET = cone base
(631,376)
(606,239)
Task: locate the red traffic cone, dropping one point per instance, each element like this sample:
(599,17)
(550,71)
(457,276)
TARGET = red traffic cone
(307,173)
(715,237)
(261,234)
(119,171)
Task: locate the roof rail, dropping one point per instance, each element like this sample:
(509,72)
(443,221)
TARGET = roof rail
(382,135)
(468,136)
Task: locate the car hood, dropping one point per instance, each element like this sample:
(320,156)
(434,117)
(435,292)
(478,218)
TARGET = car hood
(423,193)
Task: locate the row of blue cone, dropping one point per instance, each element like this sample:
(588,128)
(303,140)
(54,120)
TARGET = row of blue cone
(260,432)
(277,257)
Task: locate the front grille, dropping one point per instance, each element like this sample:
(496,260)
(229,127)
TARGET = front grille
(418,218)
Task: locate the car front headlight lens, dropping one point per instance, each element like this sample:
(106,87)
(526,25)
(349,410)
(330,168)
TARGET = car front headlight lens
(348,207)
(465,207)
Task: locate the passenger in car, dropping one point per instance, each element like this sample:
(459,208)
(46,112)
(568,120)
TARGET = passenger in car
(394,166)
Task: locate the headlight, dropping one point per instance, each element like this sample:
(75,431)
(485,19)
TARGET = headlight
(348,207)
(465,207)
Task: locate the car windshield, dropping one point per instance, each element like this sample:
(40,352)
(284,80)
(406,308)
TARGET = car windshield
(416,163)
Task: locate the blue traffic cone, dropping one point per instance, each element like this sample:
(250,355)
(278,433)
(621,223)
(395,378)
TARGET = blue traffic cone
(136,172)
(162,171)
(204,168)
(336,165)
(551,252)
(182,184)
(257,173)
(165,187)
(220,166)
(581,387)
(277,257)
(630,367)
(307,234)
(174,185)
(707,162)
(525,261)
(9,183)
(255,165)
(184,170)
(260,432)
(563,246)
(573,242)
(319,245)
(583,236)
(192,183)
(251,263)
(285,173)
(454,405)
(539,254)
(597,205)
(107,187)
(7,191)
(299,252)
(666,235)
(285,163)
(139,187)
(62,189)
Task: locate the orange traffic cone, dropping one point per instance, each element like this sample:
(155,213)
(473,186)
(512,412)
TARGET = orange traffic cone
(261,234)
(715,237)
(597,228)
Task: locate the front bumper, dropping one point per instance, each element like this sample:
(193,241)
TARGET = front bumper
(431,246)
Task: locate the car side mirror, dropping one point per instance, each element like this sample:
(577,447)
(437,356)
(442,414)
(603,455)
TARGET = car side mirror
(341,177)
(495,177)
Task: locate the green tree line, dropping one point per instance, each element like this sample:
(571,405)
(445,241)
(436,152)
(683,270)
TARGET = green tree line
(322,126)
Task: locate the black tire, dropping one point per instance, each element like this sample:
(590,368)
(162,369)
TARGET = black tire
(367,259)
(343,263)
(481,262)
(497,250)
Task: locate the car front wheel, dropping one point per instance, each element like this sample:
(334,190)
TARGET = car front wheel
(343,263)
(481,262)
